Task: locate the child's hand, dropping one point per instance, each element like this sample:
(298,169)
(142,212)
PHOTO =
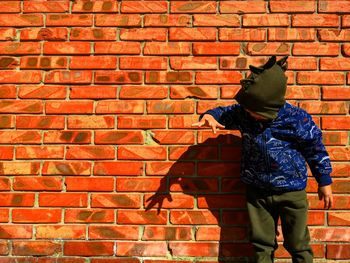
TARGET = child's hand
(210,121)
(325,194)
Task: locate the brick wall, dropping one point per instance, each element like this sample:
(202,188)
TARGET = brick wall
(97,102)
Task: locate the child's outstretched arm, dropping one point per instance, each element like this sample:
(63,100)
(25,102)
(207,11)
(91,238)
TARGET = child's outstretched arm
(209,120)
(325,194)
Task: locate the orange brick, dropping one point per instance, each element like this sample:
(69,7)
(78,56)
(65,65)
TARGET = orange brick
(144,63)
(73,48)
(194,217)
(291,34)
(92,184)
(63,199)
(7,121)
(88,248)
(162,77)
(104,6)
(336,78)
(118,77)
(292,7)
(138,217)
(52,34)
(242,34)
(60,232)
(20,137)
(338,251)
(216,20)
(315,20)
(121,107)
(114,232)
(19,48)
(39,152)
(7,33)
(166,233)
(118,48)
(17,199)
(266,20)
(322,107)
(335,93)
(170,107)
(203,92)
(10,7)
(141,153)
(193,7)
(143,92)
(142,249)
(8,62)
(66,168)
(69,107)
(90,152)
(141,122)
(169,48)
(95,62)
(21,20)
(270,48)
(139,184)
(44,62)
(166,20)
(335,123)
(119,137)
(144,34)
(192,34)
(7,91)
(186,63)
(216,48)
(339,6)
(15,231)
(221,77)
(67,137)
(69,20)
(315,49)
(36,215)
(89,216)
(45,6)
(90,122)
(144,7)
(121,20)
(19,77)
(35,248)
(42,92)
(239,7)
(93,92)
(116,200)
(93,34)
(6,153)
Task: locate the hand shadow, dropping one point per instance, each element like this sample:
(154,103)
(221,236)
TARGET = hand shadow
(203,193)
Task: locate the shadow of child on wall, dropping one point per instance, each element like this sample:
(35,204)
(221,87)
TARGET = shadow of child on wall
(203,192)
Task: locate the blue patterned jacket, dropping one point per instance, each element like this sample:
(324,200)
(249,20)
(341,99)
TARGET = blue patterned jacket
(275,153)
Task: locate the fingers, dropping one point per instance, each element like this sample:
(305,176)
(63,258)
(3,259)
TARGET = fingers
(198,124)
(328,202)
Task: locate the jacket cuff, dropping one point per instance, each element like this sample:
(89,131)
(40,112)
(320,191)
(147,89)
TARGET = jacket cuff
(324,180)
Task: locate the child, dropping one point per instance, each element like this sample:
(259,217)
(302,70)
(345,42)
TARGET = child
(278,139)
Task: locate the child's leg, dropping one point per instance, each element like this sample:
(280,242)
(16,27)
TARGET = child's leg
(293,212)
(263,221)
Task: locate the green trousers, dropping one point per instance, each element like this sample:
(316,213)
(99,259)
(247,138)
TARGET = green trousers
(264,211)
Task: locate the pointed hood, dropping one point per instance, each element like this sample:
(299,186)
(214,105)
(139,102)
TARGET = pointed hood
(263,91)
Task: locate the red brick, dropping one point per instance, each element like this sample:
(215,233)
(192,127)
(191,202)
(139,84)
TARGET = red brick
(170,168)
(315,20)
(118,20)
(121,107)
(339,202)
(17,106)
(192,34)
(93,184)
(340,6)
(142,122)
(118,137)
(338,251)
(169,48)
(60,232)
(118,168)
(203,92)
(201,217)
(221,234)
(8,62)
(143,92)
(43,62)
(36,215)
(5,184)
(95,62)
(69,107)
(142,249)
(45,7)
(176,201)
(216,48)
(335,64)
(116,200)
(143,63)
(69,20)
(324,78)
(303,92)
(291,34)
(216,20)
(40,122)
(197,249)
(198,152)
(37,183)
(15,231)
(322,107)
(335,138)
(67,137)
(267,20)
(115,260)
(315,49)
(93,34)
(118,77)
(39,152)
(20,137)
(114,232)
(144,7)
(66,168)
(182,121)
(166,20)
(72,48)
(89,216)
(125,48)
(142,153)
(10,6)
(90,152)
(7,33)
(242,34)
(162,77)
(141,217)
(4,215)
(185,63)
(138,184)
(17,199)
(292,7)
(335,123)
(339,218)
(88,248)
(335,93)
(270,48)
(52,34)
(144,34)
(193,7)
(68,77)
(21,20)
(345,21)
(6,153)
(339,153)
(219,77)
(35,248)
(90,122)
(171,107)
(19,168)
(63,199)
(7,121)
(173,137)
(330,234)
(42,92)
(239,7)
(95,6)
(18,77)
(167,233)
(93,92)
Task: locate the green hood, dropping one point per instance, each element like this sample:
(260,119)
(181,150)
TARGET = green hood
(263,91)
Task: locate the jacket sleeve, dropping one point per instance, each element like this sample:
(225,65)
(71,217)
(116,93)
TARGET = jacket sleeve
(227,116)
(309,137)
